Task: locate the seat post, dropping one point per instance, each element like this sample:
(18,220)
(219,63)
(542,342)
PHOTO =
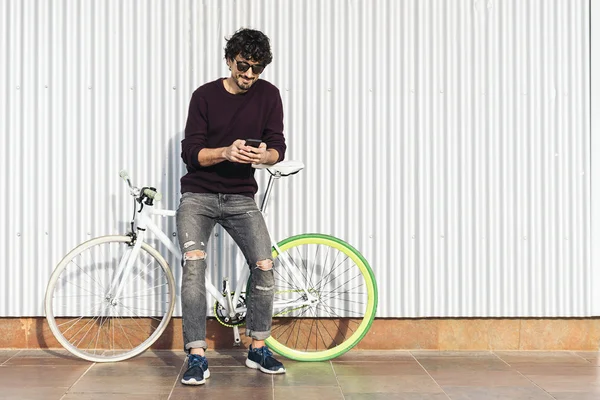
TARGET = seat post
(265,201)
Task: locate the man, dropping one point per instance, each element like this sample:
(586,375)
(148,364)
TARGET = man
(219,187)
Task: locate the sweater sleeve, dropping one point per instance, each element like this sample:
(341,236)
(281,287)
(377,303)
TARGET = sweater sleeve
(273,131)
(196,130)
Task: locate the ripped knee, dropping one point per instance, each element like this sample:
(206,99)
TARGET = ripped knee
(194,255)
(265,265)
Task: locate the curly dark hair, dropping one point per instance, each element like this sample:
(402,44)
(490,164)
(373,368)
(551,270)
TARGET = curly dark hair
(253,45)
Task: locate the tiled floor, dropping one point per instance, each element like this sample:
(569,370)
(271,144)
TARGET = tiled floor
(429,375)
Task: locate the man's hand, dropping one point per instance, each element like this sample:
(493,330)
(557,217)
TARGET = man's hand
(234,153)
(238,152)
(258,155)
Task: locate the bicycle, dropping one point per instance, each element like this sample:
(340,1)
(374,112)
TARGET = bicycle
(110,298)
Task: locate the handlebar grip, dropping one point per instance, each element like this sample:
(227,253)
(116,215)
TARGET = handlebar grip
(124,174)
(153,194)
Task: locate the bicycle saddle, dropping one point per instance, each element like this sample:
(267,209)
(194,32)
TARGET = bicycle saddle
(283,168)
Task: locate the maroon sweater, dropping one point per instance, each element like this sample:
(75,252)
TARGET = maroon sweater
(217,118)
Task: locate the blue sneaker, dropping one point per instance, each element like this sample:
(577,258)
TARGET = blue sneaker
(262,358)
(197,370)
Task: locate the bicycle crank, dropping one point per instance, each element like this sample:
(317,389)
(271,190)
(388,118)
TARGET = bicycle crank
(224,318)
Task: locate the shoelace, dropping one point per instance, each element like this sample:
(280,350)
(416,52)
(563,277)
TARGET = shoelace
(195,361)
(266,352)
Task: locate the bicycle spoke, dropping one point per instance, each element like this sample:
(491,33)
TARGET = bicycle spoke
(291,326)
(320,333)
(139,273)
(90,323)
(316,257)
(331,271)
(141,295)
(345,300)
(75,295)
(347,291)
(145,290)
(348,326)
(93,280)
(303,267)
(310,332)
(137,315)
(286,282)
(77,320)
(140,328)
(324,264)
(70,306)
(340,309)
(82,288)
(98,334)
(124,334)
(290,329)
(290,274)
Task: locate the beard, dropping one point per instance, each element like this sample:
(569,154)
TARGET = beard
(242,84)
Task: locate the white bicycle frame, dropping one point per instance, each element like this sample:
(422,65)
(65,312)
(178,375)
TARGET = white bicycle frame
(143,223)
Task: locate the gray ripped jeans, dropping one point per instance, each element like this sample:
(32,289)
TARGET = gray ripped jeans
(196,217)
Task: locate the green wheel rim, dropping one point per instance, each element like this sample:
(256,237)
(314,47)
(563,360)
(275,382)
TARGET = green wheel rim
(372,298)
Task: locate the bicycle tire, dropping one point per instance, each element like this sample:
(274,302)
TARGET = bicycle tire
(88,322)
(295,329)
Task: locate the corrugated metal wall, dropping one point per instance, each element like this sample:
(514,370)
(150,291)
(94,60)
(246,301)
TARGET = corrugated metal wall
(448,141)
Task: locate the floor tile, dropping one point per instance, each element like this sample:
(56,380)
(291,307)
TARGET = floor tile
(575,396)
(33,393)
(370,356)
(396,396)
(496,393)
(115,396)
(378,368)
(563,383)
(541,357)
(491,363)
(7,355)
(46,357)
(226,377)
(436,353)
(590,356)
(306,392)
(205,392)
(223,358)
(306,374)
(226,360)
(557,370)
(159,358)
(461,377)
(124,377)
(54,376)
(386,384)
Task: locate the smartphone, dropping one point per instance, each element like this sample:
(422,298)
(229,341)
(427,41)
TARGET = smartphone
(253,142)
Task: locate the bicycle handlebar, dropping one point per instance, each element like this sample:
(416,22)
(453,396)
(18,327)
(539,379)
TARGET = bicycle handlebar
(148,192)
(125,176)
(153,194)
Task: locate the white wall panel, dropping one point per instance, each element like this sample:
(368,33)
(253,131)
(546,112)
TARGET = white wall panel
(448,141)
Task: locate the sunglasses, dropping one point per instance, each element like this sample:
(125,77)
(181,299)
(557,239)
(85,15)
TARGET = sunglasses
(243,66)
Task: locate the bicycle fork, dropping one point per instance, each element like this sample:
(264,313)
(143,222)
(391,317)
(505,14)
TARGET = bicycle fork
(123,270)
(126,263)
